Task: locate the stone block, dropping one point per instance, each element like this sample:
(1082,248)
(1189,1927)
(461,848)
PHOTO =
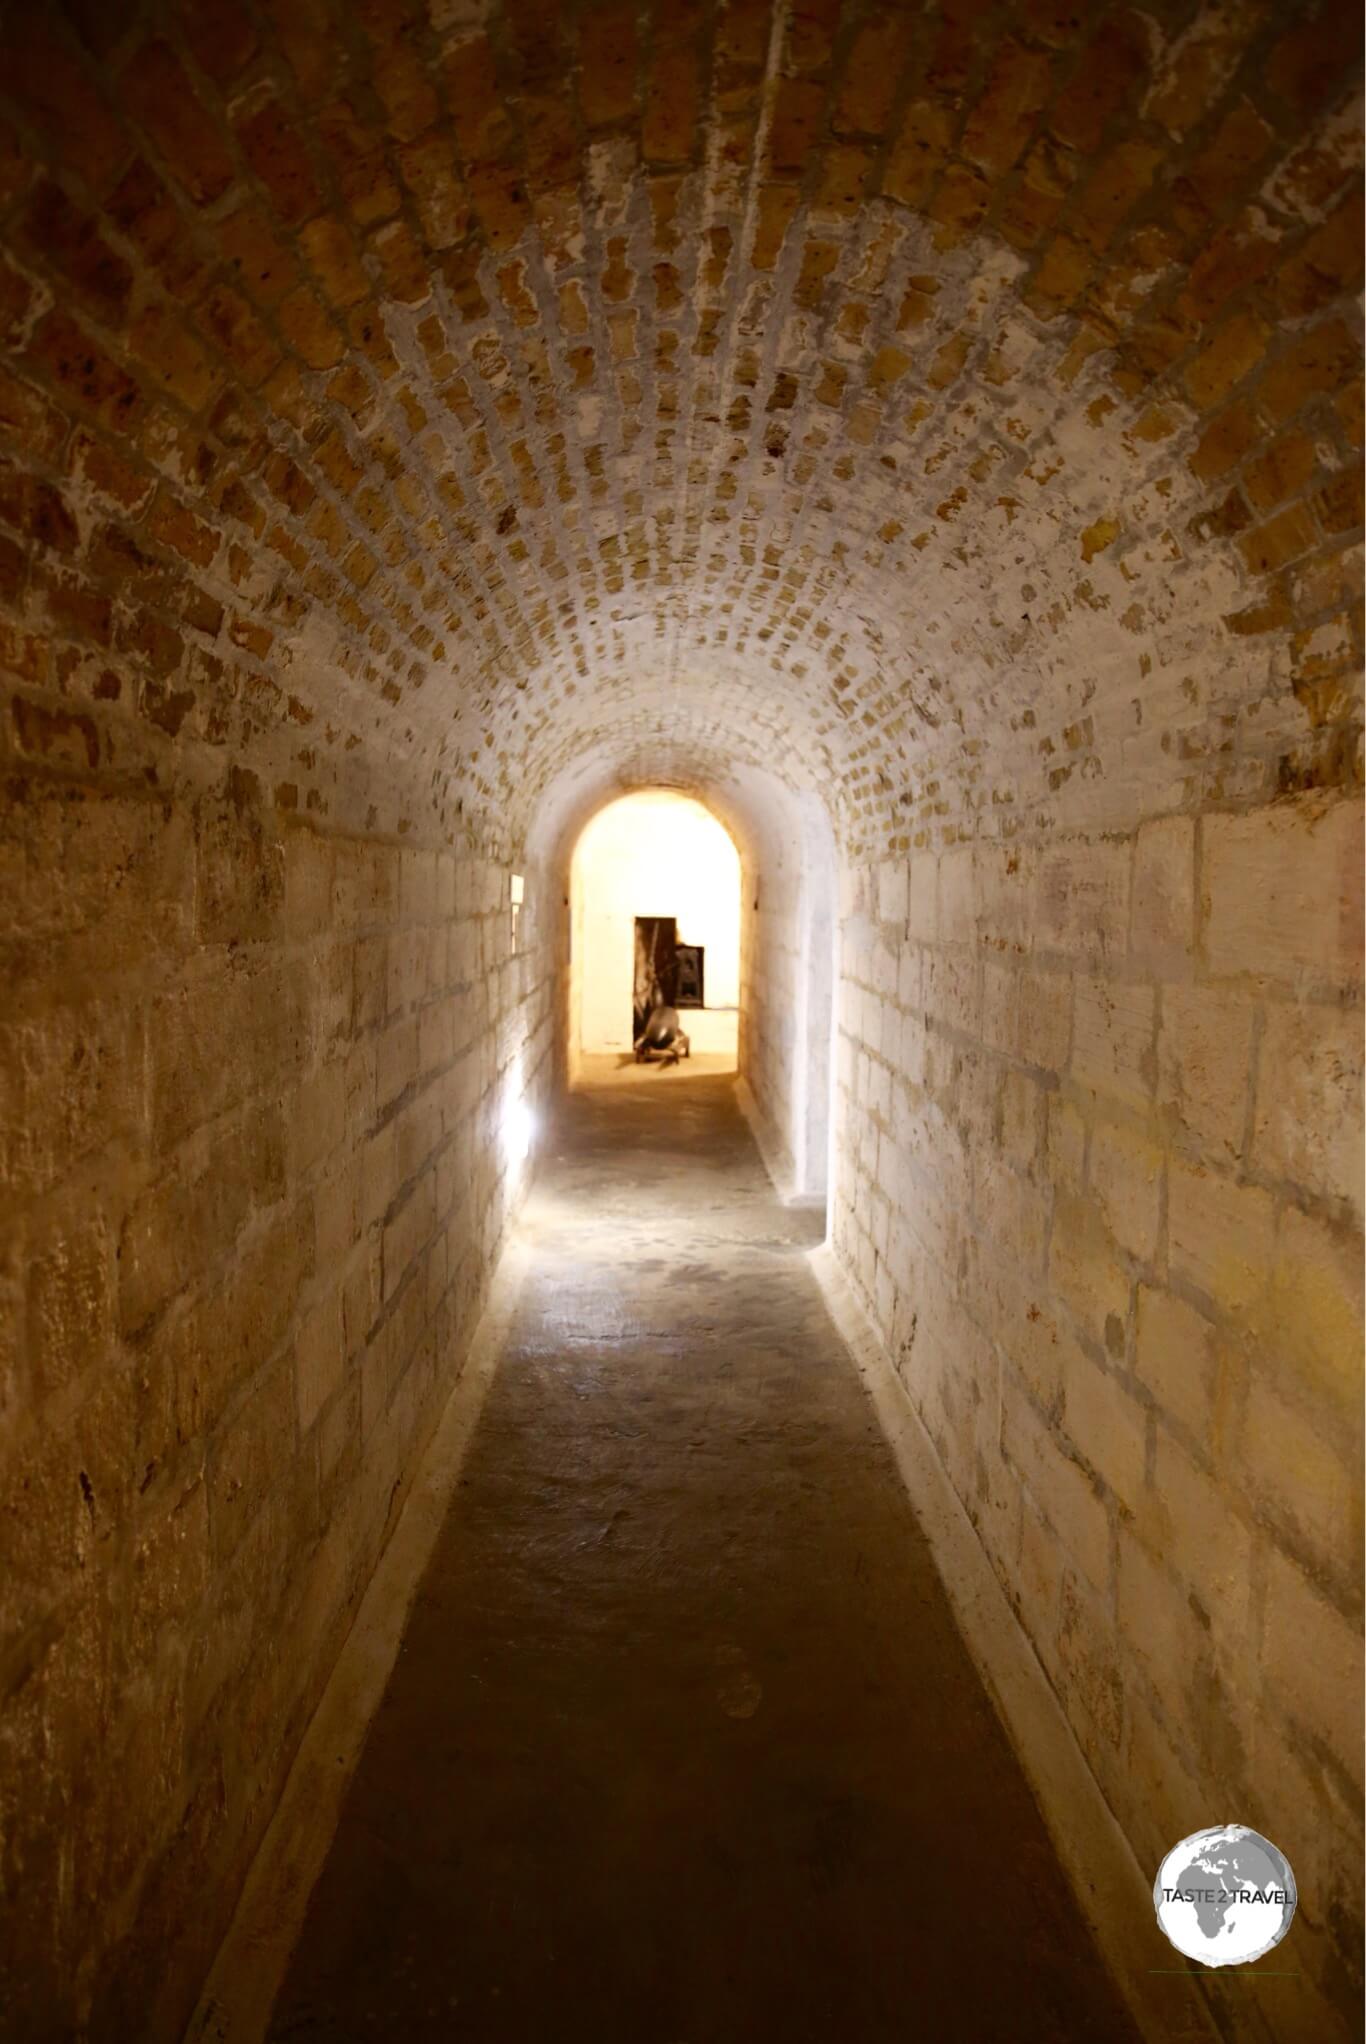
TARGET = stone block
(893,892)
(923,904)
(1311,1659)
(1162,907)
(396,1062)
(169,1569)
(1012,1212)
(1204,1060)
(1067,1133)
(998,1022)
(184,1226)
(1220,1237)
(254,1460)
(1092,1657)
(231,1031)
(1281,893)
(957,896)
(951,996)
(1107,1425)
(1036,1344)
(1114,1040)
(1307,1126)
(319,1359)
(1315,1307)
(240,864)
(407,1231)
(1020,1118)
(1164,1635)
(70,1298)
(309,882)
(319,1117)
(198,1359)
(1198,1527)
(1088,1273)
(1061,1491)
(1082,894)
(1126,1177)
(1177,1360)
(1303,1475)
(71,1084)
(1036,1585)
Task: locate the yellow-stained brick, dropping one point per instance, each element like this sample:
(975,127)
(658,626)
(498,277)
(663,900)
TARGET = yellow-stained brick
(1204,1059)
(1038,1581)
(1126,1178)
(1177,1360)
(1305,1474)
(1308,1121)
(1082,895)
(1108,1426)
(1311,1656)
(1114,1039)
(1020,1109)
(1066,1143)
(1162,906)
(1060,1490)
(1315,1306)
(1282,893)
(1197,1526)
(1044,1013)
(1155,1615)
(1087,1271)
(1220,1237)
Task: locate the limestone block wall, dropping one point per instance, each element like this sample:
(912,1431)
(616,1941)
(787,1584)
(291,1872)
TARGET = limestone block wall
(256,1076)
(788,907)
(770,968)
(1100,1104)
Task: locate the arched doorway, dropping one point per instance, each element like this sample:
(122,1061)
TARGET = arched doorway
(655,915)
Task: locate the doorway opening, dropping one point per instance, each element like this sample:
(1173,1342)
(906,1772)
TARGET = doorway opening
(655,907)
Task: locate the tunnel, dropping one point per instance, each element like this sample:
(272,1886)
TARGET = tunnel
(799,1546)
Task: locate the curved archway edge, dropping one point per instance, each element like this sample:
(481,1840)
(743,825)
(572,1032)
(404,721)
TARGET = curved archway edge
(788,936)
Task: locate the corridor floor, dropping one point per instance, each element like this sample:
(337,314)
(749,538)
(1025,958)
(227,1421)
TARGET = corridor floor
(682,1746)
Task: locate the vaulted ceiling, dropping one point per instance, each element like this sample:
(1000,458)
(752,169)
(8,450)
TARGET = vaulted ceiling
(948,407)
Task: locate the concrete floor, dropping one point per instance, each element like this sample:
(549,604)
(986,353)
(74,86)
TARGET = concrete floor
(682,1746)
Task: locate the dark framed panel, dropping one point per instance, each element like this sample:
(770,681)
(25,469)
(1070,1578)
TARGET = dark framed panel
(689,976)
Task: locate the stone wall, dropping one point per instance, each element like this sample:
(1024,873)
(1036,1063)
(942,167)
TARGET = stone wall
(770,969)
(255,1181)
(1101,1195)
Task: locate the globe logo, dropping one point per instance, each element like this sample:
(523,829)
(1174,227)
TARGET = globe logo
(1225,1896)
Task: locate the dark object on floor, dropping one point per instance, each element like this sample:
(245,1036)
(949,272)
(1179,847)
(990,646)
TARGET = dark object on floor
(663,1037)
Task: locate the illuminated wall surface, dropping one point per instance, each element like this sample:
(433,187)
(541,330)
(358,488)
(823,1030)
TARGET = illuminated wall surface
(654,854)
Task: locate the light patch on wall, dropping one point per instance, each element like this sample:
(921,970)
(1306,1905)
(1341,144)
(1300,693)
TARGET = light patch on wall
(519,1128)
(519,1123)
(658,854)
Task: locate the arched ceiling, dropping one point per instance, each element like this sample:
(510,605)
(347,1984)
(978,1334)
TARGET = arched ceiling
(948,408)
